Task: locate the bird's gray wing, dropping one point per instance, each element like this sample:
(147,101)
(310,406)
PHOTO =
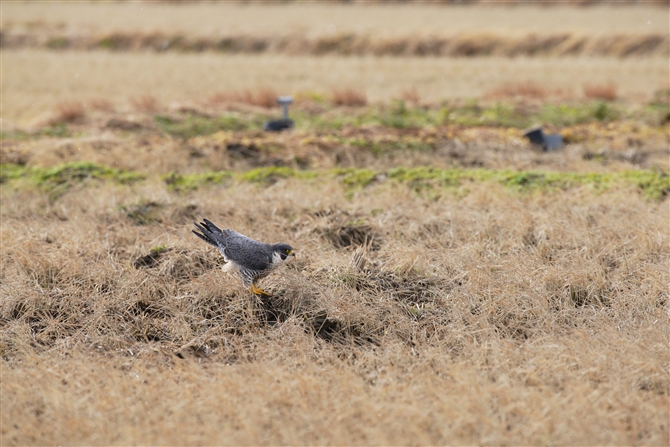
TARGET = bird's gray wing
(247,252)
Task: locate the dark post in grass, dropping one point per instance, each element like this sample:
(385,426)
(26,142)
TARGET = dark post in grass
(284,123)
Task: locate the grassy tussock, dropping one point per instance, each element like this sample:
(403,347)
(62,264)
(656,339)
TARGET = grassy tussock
(68,112)
(491,317)
(607,92)
(524,90)
(145,103)
(349,97)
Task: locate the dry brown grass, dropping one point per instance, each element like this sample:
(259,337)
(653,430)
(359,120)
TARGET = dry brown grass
(102,104)
(389,30)
(349,97)
(487,317)
(69,112)
(523,89)
(607,92)
(471,44)
(316,20)
(145,103)
(411,95)
(263,97)
(35,81)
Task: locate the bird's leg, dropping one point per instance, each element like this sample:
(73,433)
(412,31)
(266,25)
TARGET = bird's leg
(258,291)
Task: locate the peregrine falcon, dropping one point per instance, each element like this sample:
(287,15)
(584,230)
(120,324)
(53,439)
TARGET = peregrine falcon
(254,260)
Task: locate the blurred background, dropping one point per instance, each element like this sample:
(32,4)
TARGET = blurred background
(137,56)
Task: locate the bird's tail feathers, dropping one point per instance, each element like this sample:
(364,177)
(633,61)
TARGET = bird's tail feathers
(211,227)
(210,232)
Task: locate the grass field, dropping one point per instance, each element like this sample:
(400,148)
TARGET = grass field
(34,82)
(481,313)
(452,284)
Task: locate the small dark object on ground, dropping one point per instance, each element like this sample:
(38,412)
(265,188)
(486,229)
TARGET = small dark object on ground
(278,125)
(549,142)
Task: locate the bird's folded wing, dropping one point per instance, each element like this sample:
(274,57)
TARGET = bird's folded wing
(247,252)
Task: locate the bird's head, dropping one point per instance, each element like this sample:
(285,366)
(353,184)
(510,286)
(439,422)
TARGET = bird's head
(283,251)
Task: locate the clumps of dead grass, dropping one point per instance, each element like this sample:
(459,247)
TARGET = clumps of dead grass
(264,97)
(351,235)
(102,104)
(144,213)
(68,112)
(145,103)
(343,229)
(349,97)
(604,91)
(524,90)
(176,263)
(411,96)
(406,286)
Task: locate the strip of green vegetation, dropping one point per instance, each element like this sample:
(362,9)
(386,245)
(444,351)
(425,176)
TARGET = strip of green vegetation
(272,174)
(355,178)
(385,146)
(189,182)
(12,172)
(263,176)
(59,130)
(399,116)
(193,125)
(78,172)
(57,180)
(654,185)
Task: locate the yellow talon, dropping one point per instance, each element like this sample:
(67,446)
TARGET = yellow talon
(258,291)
